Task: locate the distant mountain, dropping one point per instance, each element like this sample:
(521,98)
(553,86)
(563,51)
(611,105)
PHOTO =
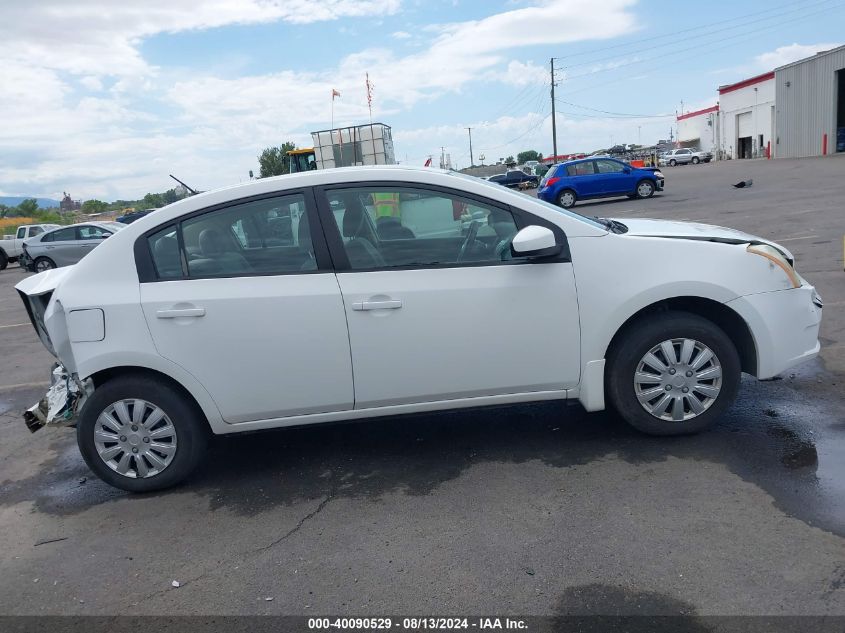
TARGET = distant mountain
(13,201)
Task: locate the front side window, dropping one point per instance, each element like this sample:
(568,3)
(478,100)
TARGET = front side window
(261,237)
(388,227)
(92,232)
(608,167)
(22,233)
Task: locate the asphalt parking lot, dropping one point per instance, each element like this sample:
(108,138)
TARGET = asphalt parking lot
(529,509)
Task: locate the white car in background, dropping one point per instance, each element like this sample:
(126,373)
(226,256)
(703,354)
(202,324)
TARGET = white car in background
(249,307)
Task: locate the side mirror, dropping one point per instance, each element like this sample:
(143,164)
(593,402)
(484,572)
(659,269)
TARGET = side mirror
(534,241)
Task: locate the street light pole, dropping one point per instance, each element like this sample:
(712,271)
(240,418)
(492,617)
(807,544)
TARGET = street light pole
(554,121)
(471,161)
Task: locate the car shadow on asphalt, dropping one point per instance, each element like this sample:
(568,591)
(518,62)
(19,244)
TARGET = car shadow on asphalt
(765,438)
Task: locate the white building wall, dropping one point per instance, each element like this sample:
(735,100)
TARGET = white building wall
(758,101)
(700,130)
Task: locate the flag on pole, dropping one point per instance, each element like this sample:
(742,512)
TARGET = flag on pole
(335,93)
(428,162)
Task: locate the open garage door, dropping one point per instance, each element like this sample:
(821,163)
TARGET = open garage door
(744,130)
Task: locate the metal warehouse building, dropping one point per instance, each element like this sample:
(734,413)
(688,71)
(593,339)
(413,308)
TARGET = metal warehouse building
(810,103)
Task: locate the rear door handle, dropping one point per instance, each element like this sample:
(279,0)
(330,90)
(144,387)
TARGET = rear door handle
(390,304)
(182,312)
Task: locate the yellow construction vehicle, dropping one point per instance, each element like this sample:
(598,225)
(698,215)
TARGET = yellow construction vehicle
(301,159)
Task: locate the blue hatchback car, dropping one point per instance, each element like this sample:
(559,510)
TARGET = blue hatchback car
(587,178)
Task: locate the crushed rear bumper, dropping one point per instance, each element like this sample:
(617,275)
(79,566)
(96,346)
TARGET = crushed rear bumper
(62,402)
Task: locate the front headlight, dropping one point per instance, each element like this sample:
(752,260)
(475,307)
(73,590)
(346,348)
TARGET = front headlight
(777,258)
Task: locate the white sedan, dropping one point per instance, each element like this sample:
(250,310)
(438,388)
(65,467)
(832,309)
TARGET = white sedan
(362,292)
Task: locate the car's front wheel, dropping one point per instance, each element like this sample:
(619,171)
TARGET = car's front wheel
(672,374)
(4,261)
(567,198)
(645,189)
(695,160)
(44,263)
(138,433)
(673,162)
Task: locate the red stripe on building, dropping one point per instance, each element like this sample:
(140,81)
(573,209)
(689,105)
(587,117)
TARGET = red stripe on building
(748,82)
(689,115)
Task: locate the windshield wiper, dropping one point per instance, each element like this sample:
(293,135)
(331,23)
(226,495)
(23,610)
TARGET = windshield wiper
(612,225)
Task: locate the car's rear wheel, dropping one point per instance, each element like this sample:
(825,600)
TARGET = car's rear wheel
(645,189)
(673,162)
(140,434)
(695,160)
(567,198)
(672,374)
(44,263)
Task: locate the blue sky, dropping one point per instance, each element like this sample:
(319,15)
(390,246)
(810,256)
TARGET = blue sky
(105,100)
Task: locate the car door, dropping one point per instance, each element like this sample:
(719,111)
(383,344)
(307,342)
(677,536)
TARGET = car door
(444,313)
(258,320)
(611,177)
(585,181)
(683,156)
(61,246)
(90,236)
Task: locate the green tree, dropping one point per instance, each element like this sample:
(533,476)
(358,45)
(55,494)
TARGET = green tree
(94,206)
(28,207)
(153,201)
(509,160)
(527,155)
(273,161)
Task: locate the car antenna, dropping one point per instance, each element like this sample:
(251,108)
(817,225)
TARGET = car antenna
(193,191)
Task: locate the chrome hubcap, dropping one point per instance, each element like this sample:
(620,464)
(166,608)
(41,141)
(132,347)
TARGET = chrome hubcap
(135,438)
(644,189)
(678,379)
(42,266)
(567,199)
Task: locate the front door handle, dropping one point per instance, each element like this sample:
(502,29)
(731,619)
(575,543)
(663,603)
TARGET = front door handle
(389,304)
(181,312)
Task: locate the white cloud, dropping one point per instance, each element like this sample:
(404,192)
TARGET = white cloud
(112,147)
(788,54)
(401,35)
(522,74)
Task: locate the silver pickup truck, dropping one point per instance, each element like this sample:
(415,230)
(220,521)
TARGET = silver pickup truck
(11,246)
(684,156)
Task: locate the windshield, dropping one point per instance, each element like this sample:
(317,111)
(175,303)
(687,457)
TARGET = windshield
(498,189)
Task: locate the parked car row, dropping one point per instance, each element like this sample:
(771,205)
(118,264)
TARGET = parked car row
(11,246)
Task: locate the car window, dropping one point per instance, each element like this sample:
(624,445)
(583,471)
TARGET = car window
(684,151)
(261,237)
(164,247)
(388,227)
(580,169)
(61,235)
(92,232)
(35,230)
(22,233)
(608,167)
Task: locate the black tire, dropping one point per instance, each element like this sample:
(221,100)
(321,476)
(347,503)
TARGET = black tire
(45,262)
(651,189)
(695,160)
(570,201)
(192,431)
(635,343)
(673,162)
(4,261)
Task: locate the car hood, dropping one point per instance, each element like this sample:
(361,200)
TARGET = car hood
(644,227)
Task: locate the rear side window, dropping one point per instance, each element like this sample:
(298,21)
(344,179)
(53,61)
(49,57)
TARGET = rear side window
(271,236)
(164,247)
(580,169)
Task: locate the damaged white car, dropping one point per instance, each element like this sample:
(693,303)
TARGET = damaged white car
(362,292)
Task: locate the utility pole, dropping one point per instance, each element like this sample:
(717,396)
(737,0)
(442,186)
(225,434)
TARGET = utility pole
(554,122)
(471,161)
(442,158)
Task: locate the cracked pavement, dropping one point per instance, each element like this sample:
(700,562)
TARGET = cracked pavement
(529,509)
